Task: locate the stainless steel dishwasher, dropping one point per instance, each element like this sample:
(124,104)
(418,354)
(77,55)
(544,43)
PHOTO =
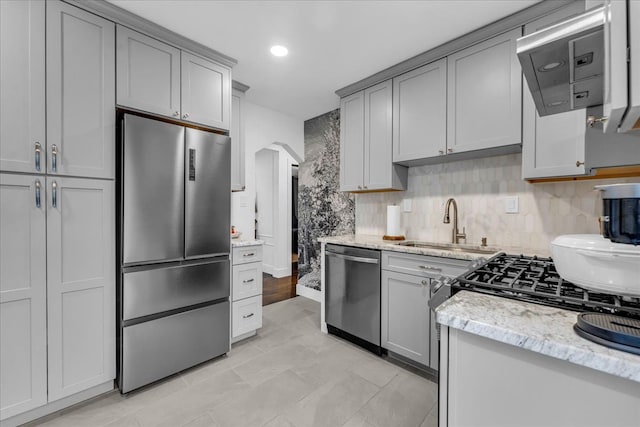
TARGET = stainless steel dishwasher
(353,295)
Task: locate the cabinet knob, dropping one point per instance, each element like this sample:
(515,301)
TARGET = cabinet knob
(365,187)
(176,114)
(449,150)
(579,163)
(424,283)
(359,187)
(185,115)
(441,152)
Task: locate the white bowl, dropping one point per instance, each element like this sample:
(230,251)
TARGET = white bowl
(593,262)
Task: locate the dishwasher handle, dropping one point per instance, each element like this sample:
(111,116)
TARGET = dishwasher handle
(353,258)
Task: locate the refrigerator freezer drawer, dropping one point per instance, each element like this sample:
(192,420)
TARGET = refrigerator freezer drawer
(159,348)
(156,290)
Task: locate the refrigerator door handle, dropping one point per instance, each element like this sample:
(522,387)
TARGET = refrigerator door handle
(192,164)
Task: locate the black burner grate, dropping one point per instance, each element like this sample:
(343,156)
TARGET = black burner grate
(535,279)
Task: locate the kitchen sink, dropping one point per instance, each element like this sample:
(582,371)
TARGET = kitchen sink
(450,247)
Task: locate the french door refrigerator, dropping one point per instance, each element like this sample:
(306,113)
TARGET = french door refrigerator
(173,293)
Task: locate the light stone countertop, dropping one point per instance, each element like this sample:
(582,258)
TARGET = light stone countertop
(538,328)
(238,243)
(376,242)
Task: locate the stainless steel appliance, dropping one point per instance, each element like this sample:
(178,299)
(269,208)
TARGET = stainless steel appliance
(174,243)
(535,279)
(588,60)
(621,212)
(353,294)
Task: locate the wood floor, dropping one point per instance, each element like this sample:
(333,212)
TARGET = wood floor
(279,289)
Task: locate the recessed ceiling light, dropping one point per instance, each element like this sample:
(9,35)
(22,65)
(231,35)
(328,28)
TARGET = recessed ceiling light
(278,50)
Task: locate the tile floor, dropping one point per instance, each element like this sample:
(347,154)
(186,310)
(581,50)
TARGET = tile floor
(290,374)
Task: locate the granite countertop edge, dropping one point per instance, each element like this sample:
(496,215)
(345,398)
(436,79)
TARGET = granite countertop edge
(238,243)
(376,242)
(541,329)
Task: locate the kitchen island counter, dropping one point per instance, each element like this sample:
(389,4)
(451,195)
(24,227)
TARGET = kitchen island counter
(538,328)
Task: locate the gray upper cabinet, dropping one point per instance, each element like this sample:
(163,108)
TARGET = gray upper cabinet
(159,78)
(366,141)
(148,74)
(485,95)
(22,84)
(80,93)
(206,88)
(552,146)
(352,142)
(237,141)
(420,112)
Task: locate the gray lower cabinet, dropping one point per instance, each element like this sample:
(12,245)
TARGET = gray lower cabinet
(408,326)
(80,92)
(405,317)
(366,141)
(420,113)
(22,85)
(485,95)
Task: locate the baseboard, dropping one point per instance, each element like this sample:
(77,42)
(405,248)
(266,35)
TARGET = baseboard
(58,405)
(307,292)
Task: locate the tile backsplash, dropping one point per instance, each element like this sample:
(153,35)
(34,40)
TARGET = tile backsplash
(480,187)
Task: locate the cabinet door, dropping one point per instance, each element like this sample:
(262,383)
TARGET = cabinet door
(148,73)
(632,117)
(23,292)
(22,84)
(378,136)
(206,92)
(405,315)
(237,142)
(553,145)
(80,284)
(420,112)
(80,92)
(484,102)
(615,64)
(352,142)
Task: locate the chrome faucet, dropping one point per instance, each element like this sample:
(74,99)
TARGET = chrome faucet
(455,234)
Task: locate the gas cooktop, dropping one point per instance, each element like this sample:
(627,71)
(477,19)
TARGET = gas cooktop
(535,279)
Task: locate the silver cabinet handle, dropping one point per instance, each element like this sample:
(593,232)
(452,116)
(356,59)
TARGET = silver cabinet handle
(579,163)
(192,164)
(248,281)
(365,187)
(37,159)
(441,152)
(176,114)
(450,150)
(38,186)
(359,187)
(185,115)
(353,258)
(246,316)
(54,194)
(54,158)
(429,268)
(249,254)
(592,120)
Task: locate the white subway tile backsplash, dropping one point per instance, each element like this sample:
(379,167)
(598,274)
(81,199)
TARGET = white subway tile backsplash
(480,186)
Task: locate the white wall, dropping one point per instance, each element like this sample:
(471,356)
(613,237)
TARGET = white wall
(273,193)
(262,127)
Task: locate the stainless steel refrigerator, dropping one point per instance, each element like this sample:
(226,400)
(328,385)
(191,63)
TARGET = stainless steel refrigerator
(174,241)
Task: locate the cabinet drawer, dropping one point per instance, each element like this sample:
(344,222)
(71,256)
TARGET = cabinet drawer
(422,265)
(246,254)
(247,315)
(247,280)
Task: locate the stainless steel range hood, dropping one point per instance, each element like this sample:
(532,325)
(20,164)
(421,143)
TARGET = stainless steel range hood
(564,63)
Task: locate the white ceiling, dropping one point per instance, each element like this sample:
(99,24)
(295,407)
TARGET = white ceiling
(331,43)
